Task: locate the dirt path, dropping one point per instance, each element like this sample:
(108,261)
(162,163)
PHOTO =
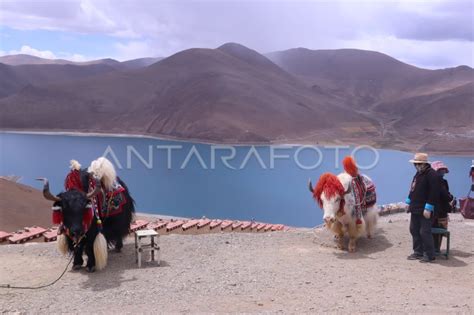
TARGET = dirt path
(290,272)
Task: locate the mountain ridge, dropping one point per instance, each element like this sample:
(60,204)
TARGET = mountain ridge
(233,94)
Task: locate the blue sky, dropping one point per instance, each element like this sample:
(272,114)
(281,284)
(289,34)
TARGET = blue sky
(62,43)
(429,34)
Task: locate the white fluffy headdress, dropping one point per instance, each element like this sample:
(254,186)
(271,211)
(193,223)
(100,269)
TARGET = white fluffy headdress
(75,165)
(105,171)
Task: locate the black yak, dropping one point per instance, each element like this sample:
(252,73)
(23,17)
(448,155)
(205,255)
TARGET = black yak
(95,210)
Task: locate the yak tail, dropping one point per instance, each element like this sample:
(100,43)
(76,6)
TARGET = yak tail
(62,244)
(100,251)
(129,207)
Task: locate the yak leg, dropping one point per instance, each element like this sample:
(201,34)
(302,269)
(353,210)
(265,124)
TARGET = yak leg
(370,221)
(90,258)
(353,235)
(118,244)
(337,229)
(352,244)
(78,261)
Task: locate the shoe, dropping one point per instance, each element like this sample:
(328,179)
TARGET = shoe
(415,256)
(426,259)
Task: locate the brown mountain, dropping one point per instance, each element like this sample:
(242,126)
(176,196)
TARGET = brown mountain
(30,70)
(234,94)
(365,78)
(138,63)
(230,93)
(22,59)
(440,120)
(14,78)
(412,104)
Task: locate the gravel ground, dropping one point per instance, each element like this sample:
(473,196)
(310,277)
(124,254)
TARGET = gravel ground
(298,271)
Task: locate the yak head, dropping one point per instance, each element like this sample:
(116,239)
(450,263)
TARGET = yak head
(329,194)
(72,209)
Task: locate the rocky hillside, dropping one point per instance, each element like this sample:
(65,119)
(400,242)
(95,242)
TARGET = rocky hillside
(233,94)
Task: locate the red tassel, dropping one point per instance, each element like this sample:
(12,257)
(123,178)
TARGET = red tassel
(73,181)
(359,221)
(87,217)
(57,217)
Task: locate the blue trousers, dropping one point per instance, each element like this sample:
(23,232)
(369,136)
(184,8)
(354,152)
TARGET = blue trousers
(420,229)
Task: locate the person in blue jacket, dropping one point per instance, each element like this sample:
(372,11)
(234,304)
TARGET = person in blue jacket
(424,195)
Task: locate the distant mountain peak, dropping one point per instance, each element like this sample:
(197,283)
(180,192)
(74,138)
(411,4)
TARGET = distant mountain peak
(239,51)
(247,55)
(232,45)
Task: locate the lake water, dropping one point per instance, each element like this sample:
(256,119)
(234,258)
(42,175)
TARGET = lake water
(198,182)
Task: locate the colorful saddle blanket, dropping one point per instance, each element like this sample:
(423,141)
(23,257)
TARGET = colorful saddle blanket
(106,204)
(363,190)
(111,202)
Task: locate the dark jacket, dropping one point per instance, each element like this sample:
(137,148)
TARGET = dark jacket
(472,178)
(424,191)
(444,205)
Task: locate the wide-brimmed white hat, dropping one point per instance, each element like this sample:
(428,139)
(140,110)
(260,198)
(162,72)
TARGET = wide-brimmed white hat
(439,165)
(420,158)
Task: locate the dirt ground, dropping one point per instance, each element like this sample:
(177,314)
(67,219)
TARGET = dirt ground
(298,271)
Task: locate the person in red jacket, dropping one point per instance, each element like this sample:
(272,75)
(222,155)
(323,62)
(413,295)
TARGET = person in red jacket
(424,195)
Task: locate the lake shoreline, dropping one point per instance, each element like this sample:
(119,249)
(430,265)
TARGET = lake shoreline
(200,141)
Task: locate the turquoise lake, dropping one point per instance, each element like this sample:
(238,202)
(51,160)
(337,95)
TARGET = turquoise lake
(236,182)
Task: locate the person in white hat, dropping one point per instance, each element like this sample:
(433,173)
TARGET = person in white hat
(424,195)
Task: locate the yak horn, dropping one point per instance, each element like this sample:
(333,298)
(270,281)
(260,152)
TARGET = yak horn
(46,193)
(96,190)
(310,186)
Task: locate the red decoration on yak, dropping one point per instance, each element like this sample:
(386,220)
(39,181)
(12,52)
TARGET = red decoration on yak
(87,217)
(73,181)
(57,217)
(330,185)
(350,166)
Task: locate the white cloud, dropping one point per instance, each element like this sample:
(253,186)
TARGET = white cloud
(121,19)
(25,49)
(47,54)
(132,50)
(160,28)
(72,57)
(432,54)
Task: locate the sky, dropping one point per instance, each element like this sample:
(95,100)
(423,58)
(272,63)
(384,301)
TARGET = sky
(429,34)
